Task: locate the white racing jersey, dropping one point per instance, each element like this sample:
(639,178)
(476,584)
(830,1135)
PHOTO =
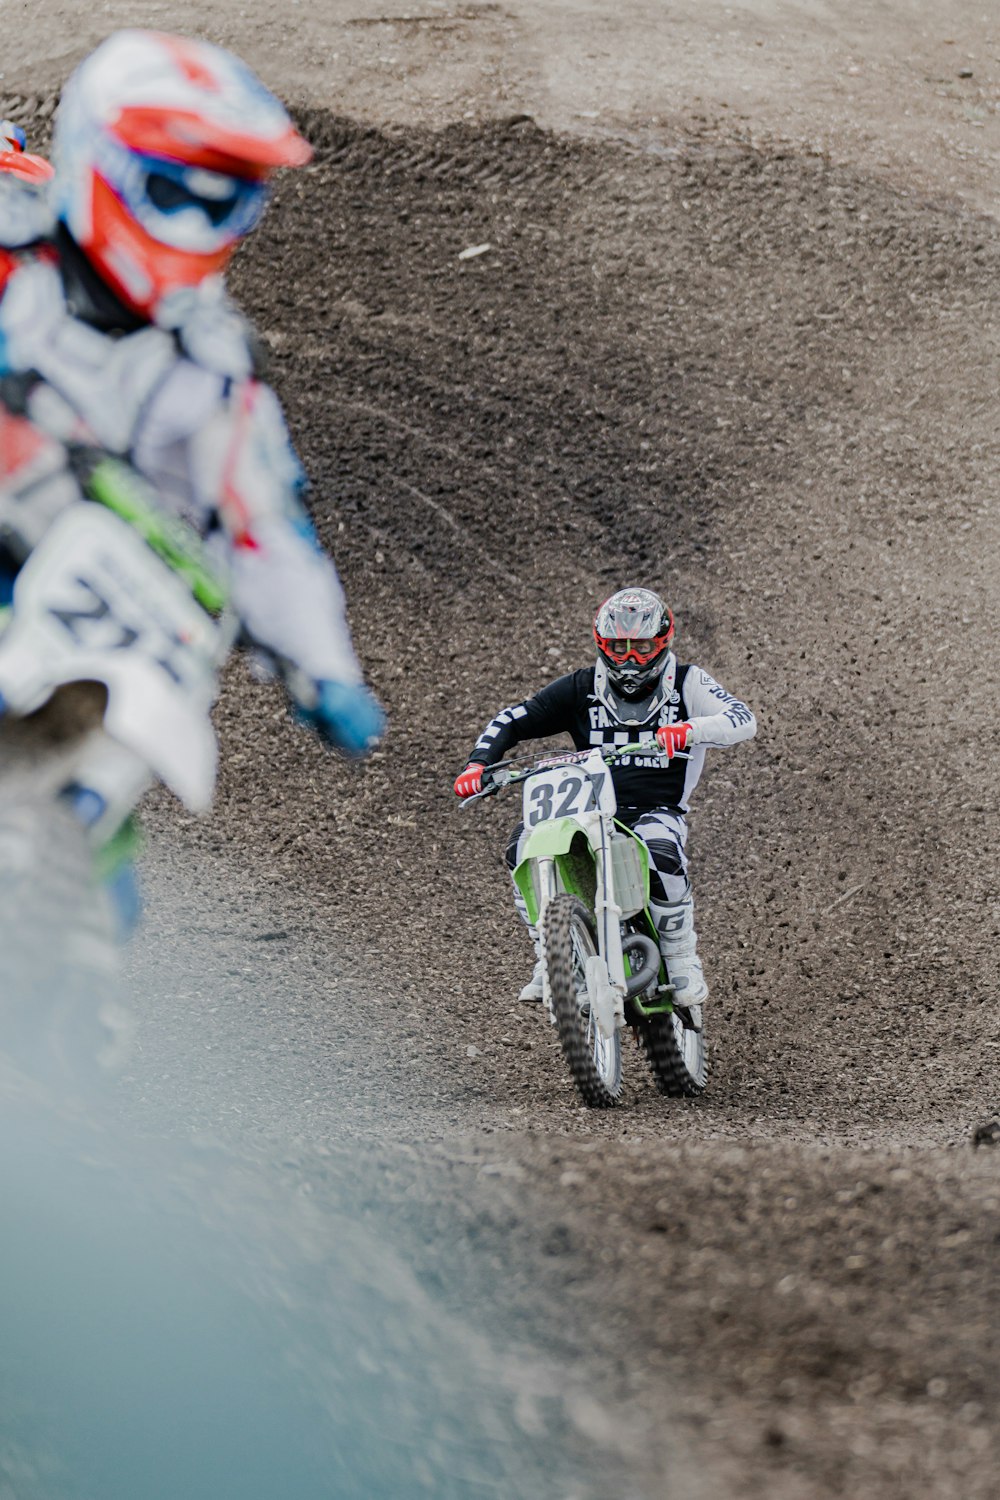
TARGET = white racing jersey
(182,404)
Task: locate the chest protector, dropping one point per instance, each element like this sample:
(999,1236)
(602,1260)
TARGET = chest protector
(649,712)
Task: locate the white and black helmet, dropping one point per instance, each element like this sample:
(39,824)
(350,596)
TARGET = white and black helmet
(633,630)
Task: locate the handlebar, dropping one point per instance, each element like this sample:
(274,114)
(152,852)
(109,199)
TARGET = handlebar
(508,772)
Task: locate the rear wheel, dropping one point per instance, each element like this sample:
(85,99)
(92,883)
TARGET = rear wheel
(567,942)
(677,1055)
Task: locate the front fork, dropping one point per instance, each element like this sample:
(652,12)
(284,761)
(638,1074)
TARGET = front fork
(608,914)
(606,910)
(546,869)
(609,919)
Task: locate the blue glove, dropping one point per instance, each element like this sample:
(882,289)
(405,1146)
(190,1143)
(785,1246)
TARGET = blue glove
(349,717)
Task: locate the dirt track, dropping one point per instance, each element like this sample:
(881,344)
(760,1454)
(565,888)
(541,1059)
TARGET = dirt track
(753,364)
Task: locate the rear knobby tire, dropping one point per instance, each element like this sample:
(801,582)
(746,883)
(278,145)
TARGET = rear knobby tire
(567,942)
(677,1056)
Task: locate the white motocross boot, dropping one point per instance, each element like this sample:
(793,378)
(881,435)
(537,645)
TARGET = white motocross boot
(679,946)
(532,993)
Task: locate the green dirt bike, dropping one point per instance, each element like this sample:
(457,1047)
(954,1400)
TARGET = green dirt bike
(585,881)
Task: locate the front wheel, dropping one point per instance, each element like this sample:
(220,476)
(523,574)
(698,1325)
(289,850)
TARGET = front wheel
(567,942)
(677,1055)
(60,1022)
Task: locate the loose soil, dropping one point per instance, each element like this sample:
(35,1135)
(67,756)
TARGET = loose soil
(752,366)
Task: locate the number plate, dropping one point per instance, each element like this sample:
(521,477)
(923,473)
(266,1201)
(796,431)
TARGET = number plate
(96,590)
(565,793)
(94,603)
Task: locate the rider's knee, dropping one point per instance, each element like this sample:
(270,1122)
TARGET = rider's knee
(667,870)
(668,879)
(513,844)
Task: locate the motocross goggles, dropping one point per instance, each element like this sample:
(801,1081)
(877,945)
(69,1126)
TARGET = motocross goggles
(179,205)
(642,649)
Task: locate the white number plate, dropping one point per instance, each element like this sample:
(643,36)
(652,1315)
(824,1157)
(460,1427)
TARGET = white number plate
(564,793)
(96,591)
(92,602)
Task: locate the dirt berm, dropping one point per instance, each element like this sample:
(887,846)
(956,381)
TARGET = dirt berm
(761,383)
(739,369)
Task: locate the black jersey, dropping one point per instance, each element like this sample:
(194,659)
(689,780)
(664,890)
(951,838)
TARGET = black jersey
(570,706)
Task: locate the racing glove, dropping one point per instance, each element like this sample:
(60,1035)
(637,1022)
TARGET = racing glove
(347,716)
(673,737)
(470,781)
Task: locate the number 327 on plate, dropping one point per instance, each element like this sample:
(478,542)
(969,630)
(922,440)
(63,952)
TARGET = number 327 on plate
(558,794)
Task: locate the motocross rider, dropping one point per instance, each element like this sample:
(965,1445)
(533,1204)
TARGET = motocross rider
(637,690)
(116,335)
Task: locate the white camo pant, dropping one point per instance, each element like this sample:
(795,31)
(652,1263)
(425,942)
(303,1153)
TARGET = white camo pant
(664,834)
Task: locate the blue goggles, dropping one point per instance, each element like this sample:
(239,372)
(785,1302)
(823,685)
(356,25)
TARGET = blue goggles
(183,206)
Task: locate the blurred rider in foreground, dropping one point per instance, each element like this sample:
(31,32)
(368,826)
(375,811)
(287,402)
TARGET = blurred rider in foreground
(116,335)
(637,690)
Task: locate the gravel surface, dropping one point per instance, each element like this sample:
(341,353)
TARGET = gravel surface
(754,379)
(733,365)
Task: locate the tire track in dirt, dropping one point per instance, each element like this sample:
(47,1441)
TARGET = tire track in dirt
(758,380)
(753,378)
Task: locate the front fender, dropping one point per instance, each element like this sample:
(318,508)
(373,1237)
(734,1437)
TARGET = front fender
(168,733)
(567,841)
(553,838)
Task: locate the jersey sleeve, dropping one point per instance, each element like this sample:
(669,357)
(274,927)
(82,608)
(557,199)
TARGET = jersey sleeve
(549,711)
(285,588)
(717,718)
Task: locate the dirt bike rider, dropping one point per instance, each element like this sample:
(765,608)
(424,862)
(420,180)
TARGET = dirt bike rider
(116,335)
(15,157)
(637,690)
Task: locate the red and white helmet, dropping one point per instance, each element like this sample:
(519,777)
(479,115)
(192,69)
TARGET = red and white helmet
(163,148)
(634,630)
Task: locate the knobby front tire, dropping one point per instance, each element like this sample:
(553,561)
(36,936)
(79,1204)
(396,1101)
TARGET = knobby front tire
(567,942)
(60,1021)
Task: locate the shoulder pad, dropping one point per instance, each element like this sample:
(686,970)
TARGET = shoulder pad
(25,215)
(211,332)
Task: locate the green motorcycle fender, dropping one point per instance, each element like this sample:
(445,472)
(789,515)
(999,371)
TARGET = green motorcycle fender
(566,841)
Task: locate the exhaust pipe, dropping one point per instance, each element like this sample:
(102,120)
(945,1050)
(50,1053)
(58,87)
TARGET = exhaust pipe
(642,948)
